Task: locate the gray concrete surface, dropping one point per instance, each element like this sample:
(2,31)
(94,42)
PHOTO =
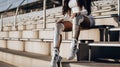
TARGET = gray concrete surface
(3,64)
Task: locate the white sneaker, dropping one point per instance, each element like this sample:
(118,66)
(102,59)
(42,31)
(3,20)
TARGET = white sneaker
(55,58)
(73,52)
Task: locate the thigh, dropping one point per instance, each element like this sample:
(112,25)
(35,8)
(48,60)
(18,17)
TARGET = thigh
(67,25)
(88,22)
(85,23)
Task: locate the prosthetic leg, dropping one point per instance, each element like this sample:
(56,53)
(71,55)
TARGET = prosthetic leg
(55,62)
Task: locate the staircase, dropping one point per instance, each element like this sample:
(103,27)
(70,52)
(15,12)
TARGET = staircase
(31,46)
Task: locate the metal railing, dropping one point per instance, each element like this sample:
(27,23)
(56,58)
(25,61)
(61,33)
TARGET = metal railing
(1,27)
(44,14)
(15,17)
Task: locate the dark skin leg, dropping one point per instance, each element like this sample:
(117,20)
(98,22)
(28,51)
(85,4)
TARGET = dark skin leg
(68,26)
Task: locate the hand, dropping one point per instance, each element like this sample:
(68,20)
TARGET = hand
(84,12)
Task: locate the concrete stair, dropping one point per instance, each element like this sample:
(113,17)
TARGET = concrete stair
(24,59)
(52,16)
(31,45)
(3,43)
(3,64)
(15,34)
(108,20)
(30,34)
(43,48)
(89,64)
(21,27)
(49,34)
(4,34)
(7,28)
(35,54)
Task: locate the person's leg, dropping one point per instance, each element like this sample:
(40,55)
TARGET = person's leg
(58,37)
(76,31)
(79,22)
(62,26)
(57,40)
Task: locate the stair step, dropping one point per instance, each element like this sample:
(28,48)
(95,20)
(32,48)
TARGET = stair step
(30,34)
(89,64)
(88,34)
(15,34)
(103,44)
(49,34)
(15,45)
(107,21)
(21,27)
(4,34)
(3,43)
(30,26)
(115,29)
(38,47)
(24,59)
(7,28)
(106,44)
(3,64)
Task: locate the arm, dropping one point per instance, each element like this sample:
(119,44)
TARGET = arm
(83,11)
(67,17)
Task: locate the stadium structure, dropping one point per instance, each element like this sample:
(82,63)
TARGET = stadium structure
(27,32)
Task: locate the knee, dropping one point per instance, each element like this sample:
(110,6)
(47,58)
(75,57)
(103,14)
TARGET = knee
(79,19)
(58,26)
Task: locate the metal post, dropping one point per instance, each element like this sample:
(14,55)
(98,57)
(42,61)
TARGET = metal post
(15,18)
(108,36)
(119,13)
(1,26)
(119,17)
(44,14)
(118,7)
(89,56)
(104,34)
(119,36)
(2,17)
(62,2)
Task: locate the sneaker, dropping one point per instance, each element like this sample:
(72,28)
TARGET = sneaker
(55,58)
(73,52)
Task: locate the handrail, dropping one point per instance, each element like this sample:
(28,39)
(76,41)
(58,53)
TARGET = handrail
(44,14)
(1,29)
(107,16)
(15,17)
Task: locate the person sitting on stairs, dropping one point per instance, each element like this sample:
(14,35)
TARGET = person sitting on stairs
(77,16)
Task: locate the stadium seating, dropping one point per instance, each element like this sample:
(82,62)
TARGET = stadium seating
(31,43)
